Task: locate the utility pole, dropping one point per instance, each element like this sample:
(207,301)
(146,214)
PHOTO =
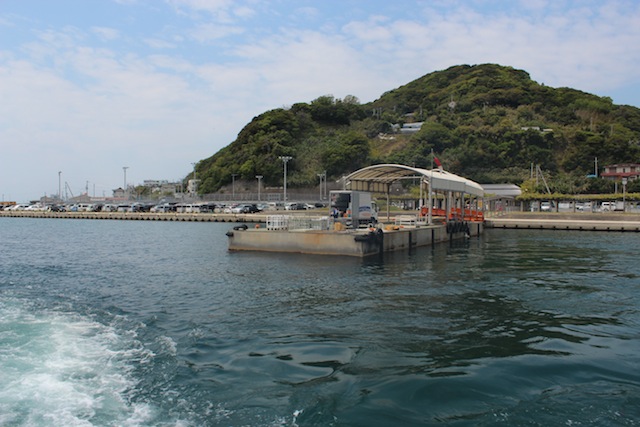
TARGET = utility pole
(285,159)
(233,185)
(323,180)
(124,168)
(259,178)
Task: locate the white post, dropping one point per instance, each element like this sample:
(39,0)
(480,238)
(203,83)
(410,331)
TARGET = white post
(285,159)
(259,178)
(233,185)
(124,168)
(430,205)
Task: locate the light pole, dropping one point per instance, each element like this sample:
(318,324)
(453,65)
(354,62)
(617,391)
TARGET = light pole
(259,178)
(285,159)
(324,176)
(323,179)
(624,194)
(233,185)
(124,168)
(60,185)
(194,170)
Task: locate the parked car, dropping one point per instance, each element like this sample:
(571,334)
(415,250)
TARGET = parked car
(296,206)
(207,207)
(607,206)
(163,207)
(245,208)
(275,206)
(34,207)
(19,207)
(55,208)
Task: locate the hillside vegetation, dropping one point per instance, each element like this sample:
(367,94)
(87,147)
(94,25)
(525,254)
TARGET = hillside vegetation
(487,122)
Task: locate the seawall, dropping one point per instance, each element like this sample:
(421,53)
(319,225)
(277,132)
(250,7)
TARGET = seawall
(141,216)
(617,221)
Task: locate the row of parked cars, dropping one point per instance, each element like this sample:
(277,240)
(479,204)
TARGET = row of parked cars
(202,207)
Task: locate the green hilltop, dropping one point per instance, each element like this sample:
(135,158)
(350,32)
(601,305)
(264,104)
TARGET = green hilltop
(486,122)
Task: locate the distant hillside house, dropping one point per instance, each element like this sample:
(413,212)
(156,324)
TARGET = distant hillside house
(411,127)
(406,127)
(630,171)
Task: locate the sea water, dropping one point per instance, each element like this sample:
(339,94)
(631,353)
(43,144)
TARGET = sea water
(128,323)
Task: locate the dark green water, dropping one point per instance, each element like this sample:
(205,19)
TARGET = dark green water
(113,323)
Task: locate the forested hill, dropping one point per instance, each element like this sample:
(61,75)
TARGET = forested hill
(486,122)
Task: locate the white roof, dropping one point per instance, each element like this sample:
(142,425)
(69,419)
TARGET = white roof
(380,177)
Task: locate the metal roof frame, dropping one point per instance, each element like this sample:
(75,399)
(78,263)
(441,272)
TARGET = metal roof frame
(378,179)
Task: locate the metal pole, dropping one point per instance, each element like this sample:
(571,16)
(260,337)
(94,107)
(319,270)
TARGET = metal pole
(624,194)
(430,202)
(233,185)
(324,174)
(285,159)
(124,168)
(259,177)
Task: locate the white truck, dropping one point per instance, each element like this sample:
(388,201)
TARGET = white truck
(356,206)
(612,206)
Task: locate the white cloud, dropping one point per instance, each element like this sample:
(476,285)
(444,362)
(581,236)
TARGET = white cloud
(208,32)
(106,34)
(156,43)
(215,8)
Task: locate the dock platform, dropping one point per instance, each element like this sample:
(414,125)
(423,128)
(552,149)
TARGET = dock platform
(619,222)
(351,242)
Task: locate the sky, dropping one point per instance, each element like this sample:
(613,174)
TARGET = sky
(91,87)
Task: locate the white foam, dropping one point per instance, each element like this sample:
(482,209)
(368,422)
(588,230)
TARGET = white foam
(63,369)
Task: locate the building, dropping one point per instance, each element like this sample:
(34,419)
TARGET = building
(501,197)
(192,186)
(619,171)
(119,193)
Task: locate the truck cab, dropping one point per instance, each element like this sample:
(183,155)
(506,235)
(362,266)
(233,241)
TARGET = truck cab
(356,207)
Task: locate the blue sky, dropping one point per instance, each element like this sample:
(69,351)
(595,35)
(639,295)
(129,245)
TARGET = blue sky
(90,86)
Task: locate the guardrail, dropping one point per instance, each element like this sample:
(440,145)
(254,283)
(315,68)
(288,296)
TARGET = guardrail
(297,222)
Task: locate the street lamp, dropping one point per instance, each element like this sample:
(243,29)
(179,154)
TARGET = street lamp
(323,178)
(233,185)
(259,178)
(624,194)
(285,159)
(124,168)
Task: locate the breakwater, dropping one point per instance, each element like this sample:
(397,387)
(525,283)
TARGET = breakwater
(618,222)
(141,216)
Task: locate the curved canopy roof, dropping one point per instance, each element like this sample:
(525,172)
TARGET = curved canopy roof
(378,178)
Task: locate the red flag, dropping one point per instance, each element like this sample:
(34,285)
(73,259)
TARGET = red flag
(435,159)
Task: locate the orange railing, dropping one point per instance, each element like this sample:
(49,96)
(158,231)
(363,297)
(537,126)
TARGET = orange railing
(455,214)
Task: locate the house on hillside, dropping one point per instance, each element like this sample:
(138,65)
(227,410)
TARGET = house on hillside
(616,172)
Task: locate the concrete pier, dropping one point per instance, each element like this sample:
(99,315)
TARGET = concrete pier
(141,216)
(353,242)
(579,222)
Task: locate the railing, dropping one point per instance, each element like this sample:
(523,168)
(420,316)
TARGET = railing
(297,222)
(455,214)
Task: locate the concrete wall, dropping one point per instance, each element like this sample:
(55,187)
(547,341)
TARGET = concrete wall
(343,242)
